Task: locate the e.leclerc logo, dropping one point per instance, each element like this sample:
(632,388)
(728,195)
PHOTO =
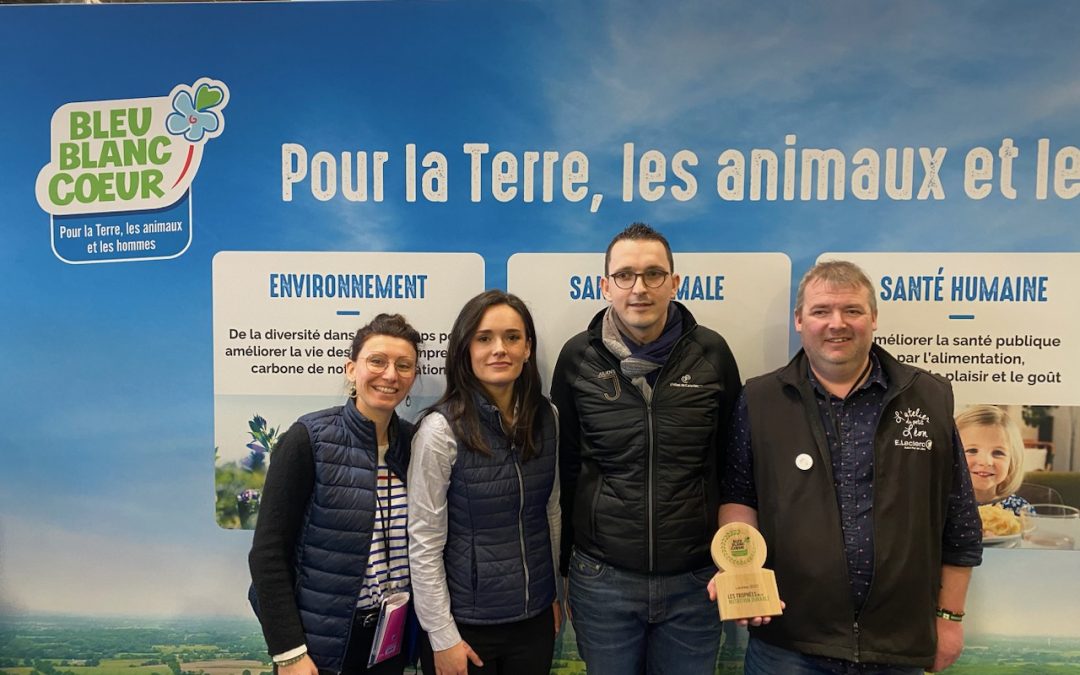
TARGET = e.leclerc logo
(118,184)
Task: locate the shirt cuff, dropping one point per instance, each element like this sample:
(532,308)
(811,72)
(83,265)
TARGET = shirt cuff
(970,558)
(291,654)
(742,499)
(445,637)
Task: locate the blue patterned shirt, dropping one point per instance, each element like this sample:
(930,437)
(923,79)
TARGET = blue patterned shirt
(1014,503)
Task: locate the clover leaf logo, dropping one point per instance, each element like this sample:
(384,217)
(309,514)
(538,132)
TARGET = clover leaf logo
(194,116)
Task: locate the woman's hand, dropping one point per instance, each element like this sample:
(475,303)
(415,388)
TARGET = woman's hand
(557,610)
(455,661)
(304,666)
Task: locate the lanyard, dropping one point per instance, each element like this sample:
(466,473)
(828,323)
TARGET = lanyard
(383,516)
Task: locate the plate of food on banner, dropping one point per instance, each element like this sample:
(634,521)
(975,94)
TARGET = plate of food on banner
(1001,527)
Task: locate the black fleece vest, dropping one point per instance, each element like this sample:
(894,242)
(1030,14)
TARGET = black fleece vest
(799,516)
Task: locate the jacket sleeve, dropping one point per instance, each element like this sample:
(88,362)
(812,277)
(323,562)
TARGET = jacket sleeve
(961,543)
(562,396)
(290,481)
(737,484)
(554,510)
(434,452)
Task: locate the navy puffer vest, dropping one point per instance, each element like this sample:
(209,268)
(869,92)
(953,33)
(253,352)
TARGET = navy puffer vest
(498,548)
(332,549)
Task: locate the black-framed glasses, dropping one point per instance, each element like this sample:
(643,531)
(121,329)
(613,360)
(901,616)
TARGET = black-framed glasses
(378,363)
(653,277)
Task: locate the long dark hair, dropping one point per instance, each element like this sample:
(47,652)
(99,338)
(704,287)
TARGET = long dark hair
(459,399)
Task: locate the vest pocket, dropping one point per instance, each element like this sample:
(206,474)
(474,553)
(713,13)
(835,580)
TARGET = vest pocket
(592,511)
(472,564)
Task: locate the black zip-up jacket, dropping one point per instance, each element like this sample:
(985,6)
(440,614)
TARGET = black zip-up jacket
(640,481)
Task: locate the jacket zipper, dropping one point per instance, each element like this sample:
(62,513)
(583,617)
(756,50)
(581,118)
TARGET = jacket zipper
(521,522)
(649,487)
(649,425)
(885,401)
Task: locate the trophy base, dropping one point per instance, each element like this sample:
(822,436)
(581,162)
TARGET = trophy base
(743,595)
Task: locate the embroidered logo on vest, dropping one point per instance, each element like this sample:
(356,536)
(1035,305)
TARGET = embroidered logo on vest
(684,381)
(913,435)
(614,377)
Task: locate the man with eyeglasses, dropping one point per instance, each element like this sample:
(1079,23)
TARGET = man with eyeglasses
(645,395)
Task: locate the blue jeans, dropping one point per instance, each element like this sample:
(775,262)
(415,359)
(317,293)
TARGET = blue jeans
(763,658)
(629,623)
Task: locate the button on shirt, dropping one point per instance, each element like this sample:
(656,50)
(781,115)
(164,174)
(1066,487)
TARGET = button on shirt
(850,425)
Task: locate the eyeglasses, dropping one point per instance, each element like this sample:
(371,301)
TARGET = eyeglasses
(378,363)
(653,277)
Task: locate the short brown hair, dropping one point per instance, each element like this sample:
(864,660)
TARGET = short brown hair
(842,273)
(639,232)
(390,325)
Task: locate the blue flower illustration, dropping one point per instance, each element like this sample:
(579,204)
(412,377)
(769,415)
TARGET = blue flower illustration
(263,439)
(256,459)
(192,117)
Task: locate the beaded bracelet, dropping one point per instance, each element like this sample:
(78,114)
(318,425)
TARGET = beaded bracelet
(949,614)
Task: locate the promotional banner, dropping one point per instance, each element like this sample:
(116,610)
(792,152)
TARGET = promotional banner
(202,203)
(283,331)
(998,326)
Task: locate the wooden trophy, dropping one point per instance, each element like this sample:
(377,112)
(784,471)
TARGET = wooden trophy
(744,588)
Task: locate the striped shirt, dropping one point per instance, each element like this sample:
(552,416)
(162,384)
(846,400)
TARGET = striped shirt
(388,559)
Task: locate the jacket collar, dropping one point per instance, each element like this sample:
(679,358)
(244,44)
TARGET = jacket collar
(359,425)
(596,326)
(397,455)
(899,376)
(489,413)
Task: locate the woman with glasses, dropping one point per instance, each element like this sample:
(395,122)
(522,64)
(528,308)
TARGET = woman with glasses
(484,502)
(330,543)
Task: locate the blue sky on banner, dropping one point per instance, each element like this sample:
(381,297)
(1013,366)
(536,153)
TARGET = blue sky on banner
(107,439)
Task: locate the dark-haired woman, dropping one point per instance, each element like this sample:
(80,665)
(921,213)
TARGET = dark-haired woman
(484,502)
(331,541)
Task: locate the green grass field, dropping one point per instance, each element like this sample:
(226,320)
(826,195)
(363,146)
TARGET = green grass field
(134,667)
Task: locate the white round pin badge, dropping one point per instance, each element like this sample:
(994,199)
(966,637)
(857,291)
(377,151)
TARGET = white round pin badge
(804,461)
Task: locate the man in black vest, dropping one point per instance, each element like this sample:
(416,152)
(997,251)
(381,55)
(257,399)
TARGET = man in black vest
(849,463)
(644,396)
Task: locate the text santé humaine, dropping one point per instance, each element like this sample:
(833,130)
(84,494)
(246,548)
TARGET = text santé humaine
(787,172)
(950,287)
